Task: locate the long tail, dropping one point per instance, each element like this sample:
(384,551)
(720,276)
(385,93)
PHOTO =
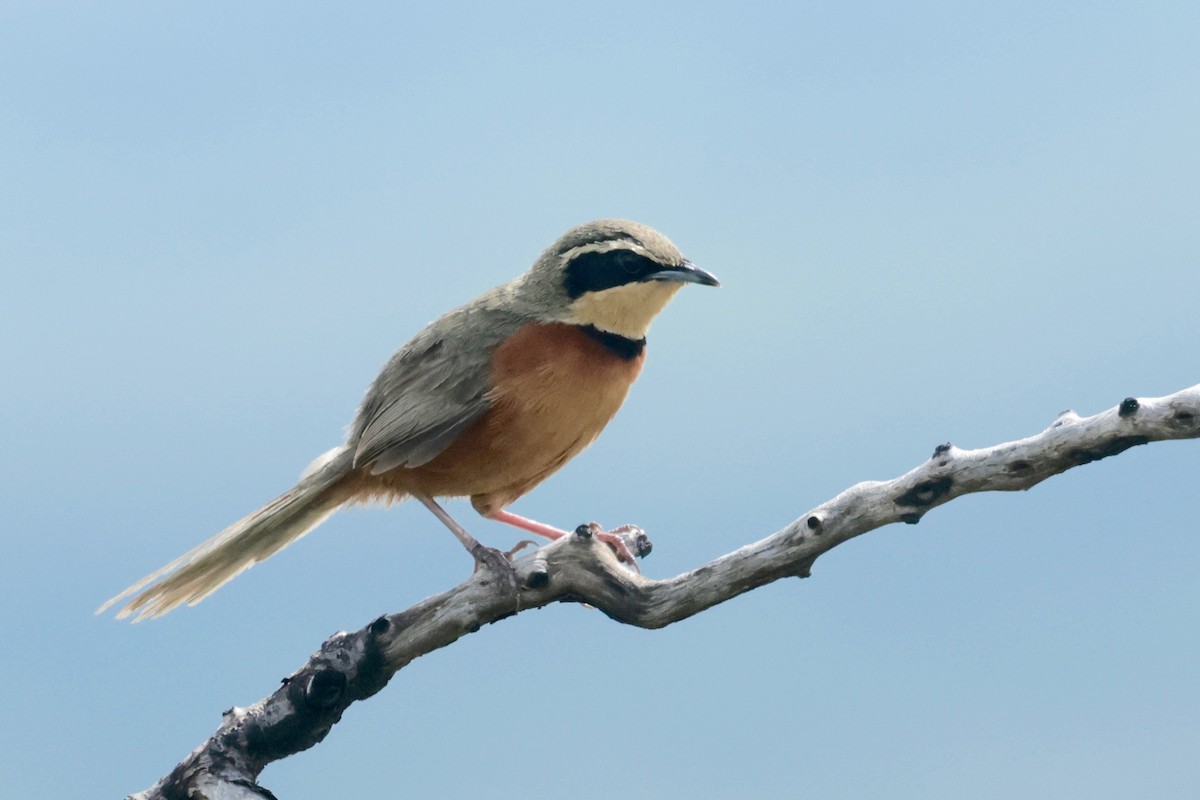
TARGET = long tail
(201,571)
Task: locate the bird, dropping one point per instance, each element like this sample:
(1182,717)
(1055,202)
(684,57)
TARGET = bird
(485,402)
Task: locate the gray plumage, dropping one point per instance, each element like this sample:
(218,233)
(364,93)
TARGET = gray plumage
(429,391)
(436,385)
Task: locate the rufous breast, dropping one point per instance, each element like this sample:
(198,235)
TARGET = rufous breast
(554,387)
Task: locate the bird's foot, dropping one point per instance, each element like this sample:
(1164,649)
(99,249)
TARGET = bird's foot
(518,547)
(627,541)
(495,562)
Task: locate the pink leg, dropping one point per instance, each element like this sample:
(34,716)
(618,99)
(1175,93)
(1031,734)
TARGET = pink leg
(611,539)
(468,541)
(534,527)
(484,556)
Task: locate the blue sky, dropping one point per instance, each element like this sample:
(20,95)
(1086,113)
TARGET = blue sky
(934,222)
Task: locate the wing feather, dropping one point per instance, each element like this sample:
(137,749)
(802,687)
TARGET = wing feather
(431,390)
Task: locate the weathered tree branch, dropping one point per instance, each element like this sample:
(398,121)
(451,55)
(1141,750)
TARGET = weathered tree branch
(354,666)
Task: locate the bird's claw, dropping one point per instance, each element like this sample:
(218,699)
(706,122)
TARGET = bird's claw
(489,559)
(629,542)
(518,547)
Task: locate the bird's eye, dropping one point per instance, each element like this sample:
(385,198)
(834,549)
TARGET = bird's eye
(595,271)
(627,261)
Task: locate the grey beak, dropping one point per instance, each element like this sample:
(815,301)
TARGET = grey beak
(686,272)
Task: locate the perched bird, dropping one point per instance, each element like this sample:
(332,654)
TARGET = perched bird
(485,402)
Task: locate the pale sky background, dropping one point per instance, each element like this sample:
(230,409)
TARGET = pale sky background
(934,222)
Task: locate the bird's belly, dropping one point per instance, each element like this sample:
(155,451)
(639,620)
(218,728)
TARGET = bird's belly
(554,389)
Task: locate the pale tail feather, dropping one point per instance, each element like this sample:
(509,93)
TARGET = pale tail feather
(205,568)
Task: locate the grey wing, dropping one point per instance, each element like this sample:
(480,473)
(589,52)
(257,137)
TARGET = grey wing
(429,391)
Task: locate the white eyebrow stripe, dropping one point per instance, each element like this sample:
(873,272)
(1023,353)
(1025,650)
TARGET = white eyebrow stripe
(607,246)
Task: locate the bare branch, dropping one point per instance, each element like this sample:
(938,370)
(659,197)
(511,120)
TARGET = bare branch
(354,666)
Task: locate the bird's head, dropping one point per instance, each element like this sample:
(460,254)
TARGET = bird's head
(613,274)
